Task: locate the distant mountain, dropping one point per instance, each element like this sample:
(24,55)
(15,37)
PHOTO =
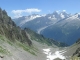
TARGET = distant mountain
(22,44)
(66,30)
(22,20)
(25,44)
(41,39)
(40,22)
(12,32)
(60,26)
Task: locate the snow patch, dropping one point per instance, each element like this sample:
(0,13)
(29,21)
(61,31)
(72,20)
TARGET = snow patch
(57,54)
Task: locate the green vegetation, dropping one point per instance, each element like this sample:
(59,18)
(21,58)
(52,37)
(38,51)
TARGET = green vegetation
(26,48)
(16,44)
(2,38)
(9,42)
(41,39)
(4,51)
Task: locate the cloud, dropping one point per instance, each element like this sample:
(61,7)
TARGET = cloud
(18,13)
(32,10)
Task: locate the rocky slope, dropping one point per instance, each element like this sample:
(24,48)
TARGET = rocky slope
(9,29)
(73,51)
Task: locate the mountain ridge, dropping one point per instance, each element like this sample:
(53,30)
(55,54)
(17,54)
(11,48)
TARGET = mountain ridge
(22,44)
(63,22)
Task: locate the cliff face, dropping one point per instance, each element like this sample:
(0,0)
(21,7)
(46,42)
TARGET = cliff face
(9,29)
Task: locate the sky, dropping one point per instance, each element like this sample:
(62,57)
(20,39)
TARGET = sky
(18,8)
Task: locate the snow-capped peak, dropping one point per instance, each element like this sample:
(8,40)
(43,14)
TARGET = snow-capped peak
(74,17)
(77,15)
(29,18)
(33,17)
(62,16)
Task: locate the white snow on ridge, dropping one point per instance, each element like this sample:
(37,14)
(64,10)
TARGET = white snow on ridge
(53,56)
(52,17)
(33,17)
(73,17)
(62,16)
(29,19)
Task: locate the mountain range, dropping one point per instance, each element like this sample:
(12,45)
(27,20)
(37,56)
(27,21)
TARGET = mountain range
(24,44)
(60,26)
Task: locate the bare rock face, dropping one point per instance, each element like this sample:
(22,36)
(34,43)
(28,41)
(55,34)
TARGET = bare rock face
(1,56)
(77,53)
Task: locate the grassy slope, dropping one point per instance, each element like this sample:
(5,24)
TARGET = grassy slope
(41,39)
(20,51)
(8,48)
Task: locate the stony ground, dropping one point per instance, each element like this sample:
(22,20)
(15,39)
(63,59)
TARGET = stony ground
(10,51)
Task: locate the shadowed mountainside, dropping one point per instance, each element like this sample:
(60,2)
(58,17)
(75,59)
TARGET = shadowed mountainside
(9,29)
(42,39)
